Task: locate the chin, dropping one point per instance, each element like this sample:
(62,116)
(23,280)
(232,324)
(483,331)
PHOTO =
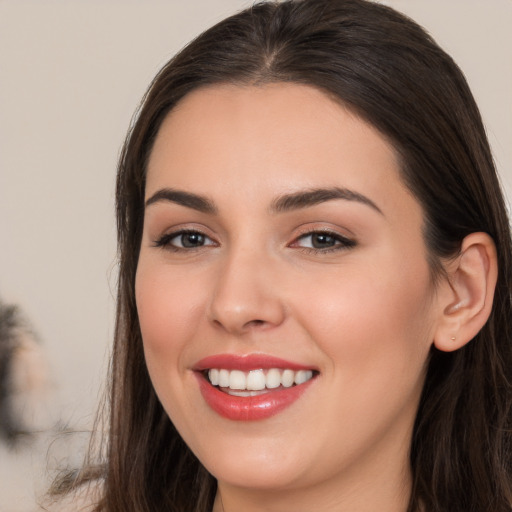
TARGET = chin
(259,464)
(257,476)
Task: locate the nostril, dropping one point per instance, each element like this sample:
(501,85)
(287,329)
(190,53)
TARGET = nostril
(255,323)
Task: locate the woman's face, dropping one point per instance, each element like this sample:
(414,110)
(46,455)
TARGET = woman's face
(280,245)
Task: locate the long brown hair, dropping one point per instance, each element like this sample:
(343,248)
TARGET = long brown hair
(386,69)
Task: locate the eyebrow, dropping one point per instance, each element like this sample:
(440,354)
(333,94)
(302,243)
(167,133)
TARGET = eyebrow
(312,197)
(284,203)
(194,201)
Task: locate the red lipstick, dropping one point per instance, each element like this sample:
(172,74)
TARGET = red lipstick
(249,408)
(247,362)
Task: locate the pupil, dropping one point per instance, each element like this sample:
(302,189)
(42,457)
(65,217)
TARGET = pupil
(321,240)
(192,239)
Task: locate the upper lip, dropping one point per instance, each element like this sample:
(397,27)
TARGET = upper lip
(247,362)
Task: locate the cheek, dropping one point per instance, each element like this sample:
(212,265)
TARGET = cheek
(168,307)
(374,321)
(375,333)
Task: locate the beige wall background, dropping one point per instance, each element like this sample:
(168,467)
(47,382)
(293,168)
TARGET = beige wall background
(71,75)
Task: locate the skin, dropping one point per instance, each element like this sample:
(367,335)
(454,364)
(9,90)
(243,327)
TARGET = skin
(363,314)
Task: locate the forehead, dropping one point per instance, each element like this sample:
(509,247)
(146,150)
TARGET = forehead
(254,141)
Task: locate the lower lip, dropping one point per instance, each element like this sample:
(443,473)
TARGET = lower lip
(250,408)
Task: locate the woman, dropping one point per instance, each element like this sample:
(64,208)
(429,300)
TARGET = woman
(314,285)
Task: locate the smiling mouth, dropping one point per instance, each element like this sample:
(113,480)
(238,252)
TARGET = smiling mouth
(256,382)
(251,387)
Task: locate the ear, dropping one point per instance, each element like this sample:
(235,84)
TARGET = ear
(466,295)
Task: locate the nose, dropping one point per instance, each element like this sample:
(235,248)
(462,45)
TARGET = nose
(246,294)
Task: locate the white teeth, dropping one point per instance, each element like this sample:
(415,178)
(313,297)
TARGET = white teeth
(224,378)
(257,380)
(303,376)
(236,392)
(273,378)
(213,375)
(237,380)
(287,378)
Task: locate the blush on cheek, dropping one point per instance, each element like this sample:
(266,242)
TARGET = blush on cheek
(168,311)
(373,319)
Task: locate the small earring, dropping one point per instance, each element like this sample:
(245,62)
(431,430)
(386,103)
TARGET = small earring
(453,338)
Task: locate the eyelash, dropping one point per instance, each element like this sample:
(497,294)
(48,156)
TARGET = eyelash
(340,242)
(165,240)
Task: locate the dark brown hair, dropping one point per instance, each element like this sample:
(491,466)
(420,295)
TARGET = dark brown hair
(386,69)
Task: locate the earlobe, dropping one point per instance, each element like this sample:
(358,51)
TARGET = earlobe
(466,302)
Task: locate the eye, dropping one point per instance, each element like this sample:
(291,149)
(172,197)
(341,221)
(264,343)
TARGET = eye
(184,240)
(323,241)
